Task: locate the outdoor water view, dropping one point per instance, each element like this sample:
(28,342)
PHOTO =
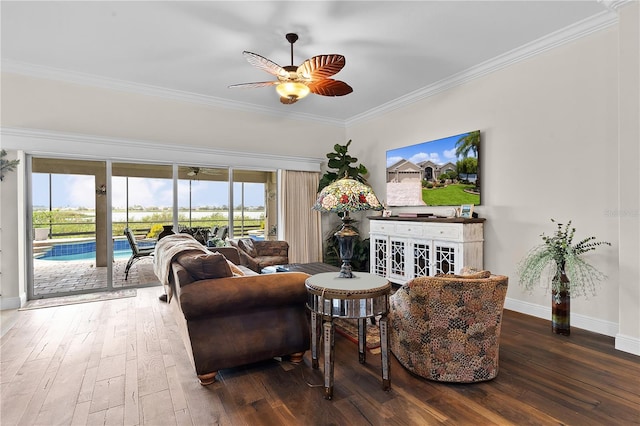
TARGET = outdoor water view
(64,205)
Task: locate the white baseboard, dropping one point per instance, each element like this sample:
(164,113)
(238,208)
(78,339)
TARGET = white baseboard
(628,344)
(584,322)
(623,343)
(12,302)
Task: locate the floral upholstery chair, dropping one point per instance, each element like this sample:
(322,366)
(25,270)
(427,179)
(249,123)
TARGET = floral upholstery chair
(447,328)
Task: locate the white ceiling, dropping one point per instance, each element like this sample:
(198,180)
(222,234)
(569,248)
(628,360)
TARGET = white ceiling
(395,50)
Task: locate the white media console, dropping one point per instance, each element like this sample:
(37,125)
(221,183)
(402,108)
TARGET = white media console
(404,248)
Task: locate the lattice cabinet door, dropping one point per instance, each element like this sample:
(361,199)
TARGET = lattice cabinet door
(421,259)
(379,255)
(445,258)
(398,259)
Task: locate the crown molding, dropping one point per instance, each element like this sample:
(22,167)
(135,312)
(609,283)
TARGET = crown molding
(83,146)
(84,79)
(558,38)
(615,5)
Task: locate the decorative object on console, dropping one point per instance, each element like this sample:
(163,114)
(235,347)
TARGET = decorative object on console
(344,196)
(295,83)
(559,261)
(466,210)
(443,172)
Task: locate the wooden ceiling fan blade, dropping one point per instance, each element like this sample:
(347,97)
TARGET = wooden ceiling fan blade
(253,85)
(321,66)
(330,87)
(265,64)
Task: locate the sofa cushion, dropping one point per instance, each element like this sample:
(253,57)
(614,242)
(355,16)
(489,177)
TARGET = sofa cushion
(203,266)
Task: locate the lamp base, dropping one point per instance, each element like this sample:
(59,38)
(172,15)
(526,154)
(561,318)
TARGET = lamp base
(345,270)
(346,237)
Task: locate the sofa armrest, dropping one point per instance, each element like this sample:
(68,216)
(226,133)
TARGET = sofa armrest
(222,296)
(231,253)
(248,261)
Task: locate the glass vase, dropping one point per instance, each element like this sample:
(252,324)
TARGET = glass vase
(561,303)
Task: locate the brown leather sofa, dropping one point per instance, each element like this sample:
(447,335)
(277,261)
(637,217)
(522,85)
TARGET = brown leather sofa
(231,316)
(257,255)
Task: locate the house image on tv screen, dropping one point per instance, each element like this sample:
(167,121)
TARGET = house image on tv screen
(443,172)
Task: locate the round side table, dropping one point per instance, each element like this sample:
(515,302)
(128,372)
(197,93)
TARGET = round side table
(361,297)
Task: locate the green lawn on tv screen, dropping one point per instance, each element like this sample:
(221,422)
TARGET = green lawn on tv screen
(450,195)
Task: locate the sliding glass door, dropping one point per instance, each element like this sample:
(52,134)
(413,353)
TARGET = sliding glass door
(142,203)
(69,250)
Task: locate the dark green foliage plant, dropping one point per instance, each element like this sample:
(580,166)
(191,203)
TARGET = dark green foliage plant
(343,165)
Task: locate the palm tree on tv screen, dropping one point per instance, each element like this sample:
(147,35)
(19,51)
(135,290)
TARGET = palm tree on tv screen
(470,143)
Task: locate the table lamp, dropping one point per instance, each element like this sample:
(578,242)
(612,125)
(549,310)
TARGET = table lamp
(344,196)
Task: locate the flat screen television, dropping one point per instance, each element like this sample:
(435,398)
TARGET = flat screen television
(442,172)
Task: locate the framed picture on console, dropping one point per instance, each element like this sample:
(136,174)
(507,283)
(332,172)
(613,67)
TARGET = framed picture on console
(466,210)
(441,172)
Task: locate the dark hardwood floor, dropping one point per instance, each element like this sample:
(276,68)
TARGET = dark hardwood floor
(123,362)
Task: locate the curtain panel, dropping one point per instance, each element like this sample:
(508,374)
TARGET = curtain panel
(302,226)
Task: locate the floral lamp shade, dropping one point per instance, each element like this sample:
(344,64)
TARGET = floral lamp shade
(347,195)
(344,196)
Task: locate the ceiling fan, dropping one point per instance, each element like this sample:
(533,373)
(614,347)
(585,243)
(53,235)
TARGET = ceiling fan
(297,82)
(194,172)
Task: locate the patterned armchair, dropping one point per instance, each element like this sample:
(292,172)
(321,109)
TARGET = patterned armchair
(447,328)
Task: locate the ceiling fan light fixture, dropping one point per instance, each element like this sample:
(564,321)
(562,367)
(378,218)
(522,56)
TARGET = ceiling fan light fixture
(292,89)
(296,82)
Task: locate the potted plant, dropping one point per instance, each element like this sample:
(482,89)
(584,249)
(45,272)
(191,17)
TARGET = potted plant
(558,261)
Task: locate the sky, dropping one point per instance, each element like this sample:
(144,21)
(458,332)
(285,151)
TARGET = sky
(79,191)
(440,151)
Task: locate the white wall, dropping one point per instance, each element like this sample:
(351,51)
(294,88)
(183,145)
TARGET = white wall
(629,178)
(549,128)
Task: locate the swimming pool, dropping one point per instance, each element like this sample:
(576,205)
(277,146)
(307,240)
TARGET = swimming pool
(85,251)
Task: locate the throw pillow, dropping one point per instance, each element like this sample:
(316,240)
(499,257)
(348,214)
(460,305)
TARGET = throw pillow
(468,273)
(204,266)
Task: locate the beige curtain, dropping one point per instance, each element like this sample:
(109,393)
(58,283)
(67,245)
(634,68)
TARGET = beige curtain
(302,226)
